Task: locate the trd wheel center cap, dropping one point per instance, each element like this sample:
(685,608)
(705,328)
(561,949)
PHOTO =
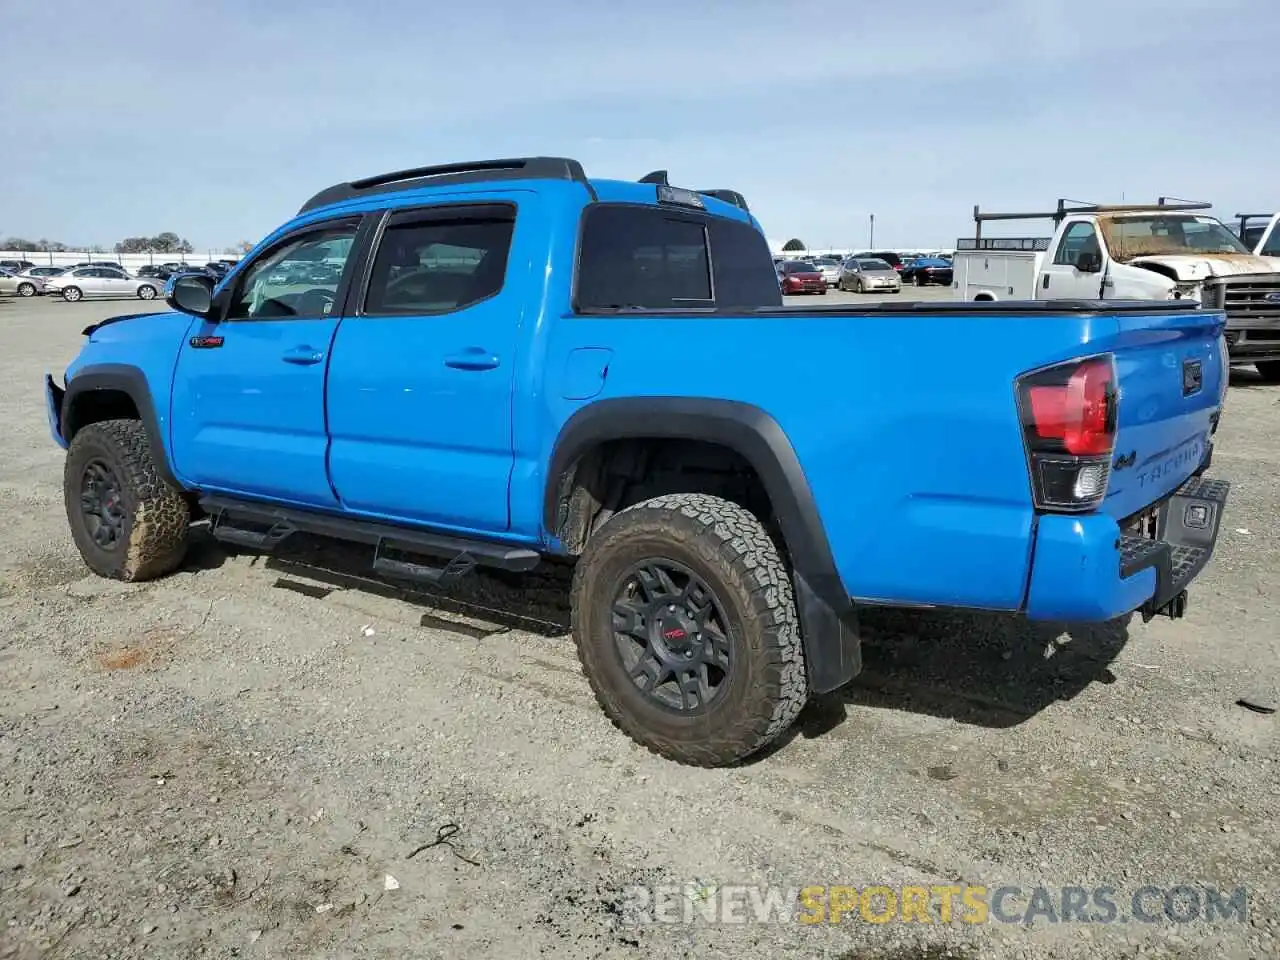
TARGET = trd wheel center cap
(675,634)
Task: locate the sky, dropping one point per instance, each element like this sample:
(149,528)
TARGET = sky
(217,119)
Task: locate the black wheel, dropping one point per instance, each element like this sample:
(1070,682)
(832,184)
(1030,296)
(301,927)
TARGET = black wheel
(26,289)
(687,631)
(857,287)
(1269,370)
(127,522)
(146,292)
(919,280)
(822,292)
(72,294)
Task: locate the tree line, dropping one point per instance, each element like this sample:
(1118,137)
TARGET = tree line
(165,242)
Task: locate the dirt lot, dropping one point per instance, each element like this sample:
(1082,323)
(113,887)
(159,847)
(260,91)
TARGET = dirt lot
(234,761)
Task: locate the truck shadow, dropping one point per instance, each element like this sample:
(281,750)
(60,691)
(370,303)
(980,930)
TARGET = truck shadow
(988,670)
(1245,378)
(983,669)
(489,601)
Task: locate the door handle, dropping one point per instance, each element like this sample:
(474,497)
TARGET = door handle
(473,358)
(1045,282)
(303,355)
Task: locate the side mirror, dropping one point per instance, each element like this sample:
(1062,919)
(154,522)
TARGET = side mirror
(1089,261)
(191,293)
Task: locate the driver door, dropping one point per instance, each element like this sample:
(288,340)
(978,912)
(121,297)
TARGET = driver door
(1060,278)
(248,412)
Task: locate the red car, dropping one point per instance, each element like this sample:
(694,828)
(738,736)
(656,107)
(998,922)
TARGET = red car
(800,277)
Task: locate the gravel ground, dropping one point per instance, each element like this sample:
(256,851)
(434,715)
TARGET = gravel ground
(237,760)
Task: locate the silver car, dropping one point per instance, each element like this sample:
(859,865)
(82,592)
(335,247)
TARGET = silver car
(101,282)
(11,282)
(863,275)
(829,267)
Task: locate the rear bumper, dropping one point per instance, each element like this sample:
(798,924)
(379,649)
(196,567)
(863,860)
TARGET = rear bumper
(1086,569)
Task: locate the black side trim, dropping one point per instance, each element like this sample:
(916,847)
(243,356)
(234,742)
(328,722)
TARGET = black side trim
(126,379)
(826,611)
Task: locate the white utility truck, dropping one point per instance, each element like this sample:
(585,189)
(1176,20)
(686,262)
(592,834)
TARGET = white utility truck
(1161,251)
(1260,232)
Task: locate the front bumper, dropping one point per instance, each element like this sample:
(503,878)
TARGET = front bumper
(53,395)
(1246,345)
(1086,569)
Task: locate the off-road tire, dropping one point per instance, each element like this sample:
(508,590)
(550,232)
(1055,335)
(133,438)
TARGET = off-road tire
(157,518)
(1269,370)
(731,552)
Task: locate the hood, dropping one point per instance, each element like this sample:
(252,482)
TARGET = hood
(1200,267)
(146,324)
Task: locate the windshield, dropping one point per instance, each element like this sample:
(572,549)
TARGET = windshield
(871,266)
(797,266)
(827,262)
(1158,234)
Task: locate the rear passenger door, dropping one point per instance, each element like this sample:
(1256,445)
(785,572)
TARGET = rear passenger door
(420,382)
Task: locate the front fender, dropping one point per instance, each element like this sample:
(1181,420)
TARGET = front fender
(89,383)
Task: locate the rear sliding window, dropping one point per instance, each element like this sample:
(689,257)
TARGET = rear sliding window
(655,258)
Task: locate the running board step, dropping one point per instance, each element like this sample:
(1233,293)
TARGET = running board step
(233,522)
(454,570)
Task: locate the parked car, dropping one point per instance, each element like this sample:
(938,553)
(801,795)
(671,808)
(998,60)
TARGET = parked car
(16,283)
(44,272)
(108,264)
(923,271)
(725,521)
(153,270)
(800,277)
(888,256)
(15,266)
(869,275)
(829,267)
(101,282)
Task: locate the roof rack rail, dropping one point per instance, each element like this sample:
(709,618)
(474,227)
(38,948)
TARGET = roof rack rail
(1067,208)
(477,171)
(728,196)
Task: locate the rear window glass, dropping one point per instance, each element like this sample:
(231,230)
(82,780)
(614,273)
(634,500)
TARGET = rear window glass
(643,257)
(655,258)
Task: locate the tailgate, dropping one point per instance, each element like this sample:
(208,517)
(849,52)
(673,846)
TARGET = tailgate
(1171,373)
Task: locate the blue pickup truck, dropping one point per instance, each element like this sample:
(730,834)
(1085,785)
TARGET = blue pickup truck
(497,363)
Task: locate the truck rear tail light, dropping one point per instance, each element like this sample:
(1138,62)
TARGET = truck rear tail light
(1068,417)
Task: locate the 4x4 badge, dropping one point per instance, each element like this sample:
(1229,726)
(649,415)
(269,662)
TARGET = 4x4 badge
(1125,460)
